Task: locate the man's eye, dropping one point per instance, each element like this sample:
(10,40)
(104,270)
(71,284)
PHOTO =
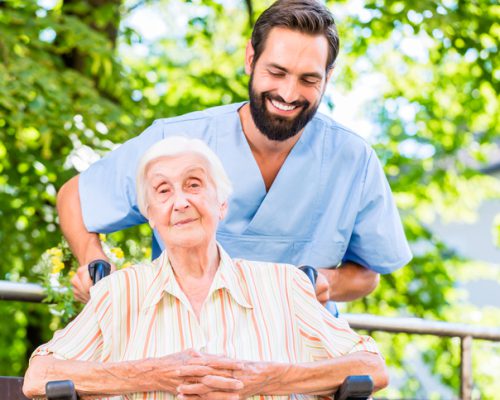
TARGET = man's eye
(277,74)
(310,81)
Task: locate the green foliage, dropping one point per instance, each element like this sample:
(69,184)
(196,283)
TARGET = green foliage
(437,121)
(68,86)
(57,266)
(49,112)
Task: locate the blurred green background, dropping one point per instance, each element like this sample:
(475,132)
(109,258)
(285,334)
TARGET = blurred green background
(78,77)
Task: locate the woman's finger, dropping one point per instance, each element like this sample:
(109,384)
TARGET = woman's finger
(213,361)
(202,370)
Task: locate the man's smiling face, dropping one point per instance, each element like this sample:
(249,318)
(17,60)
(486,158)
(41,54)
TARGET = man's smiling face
(287,82)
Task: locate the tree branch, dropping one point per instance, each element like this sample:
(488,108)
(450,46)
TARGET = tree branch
(250,12)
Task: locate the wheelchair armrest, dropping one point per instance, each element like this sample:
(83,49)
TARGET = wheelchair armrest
(60,390)
(355,387)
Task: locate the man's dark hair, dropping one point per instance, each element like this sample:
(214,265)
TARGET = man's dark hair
(306,16)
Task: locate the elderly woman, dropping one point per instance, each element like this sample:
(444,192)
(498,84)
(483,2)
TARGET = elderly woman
(195,323)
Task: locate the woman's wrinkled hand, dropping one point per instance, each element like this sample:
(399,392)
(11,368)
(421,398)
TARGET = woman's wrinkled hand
(220,377)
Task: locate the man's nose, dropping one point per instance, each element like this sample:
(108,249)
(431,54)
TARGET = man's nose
(180,201)
(289,90)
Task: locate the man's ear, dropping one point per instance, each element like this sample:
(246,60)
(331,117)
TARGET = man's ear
(329,75)
(327,80)
(223,211)
(249,54)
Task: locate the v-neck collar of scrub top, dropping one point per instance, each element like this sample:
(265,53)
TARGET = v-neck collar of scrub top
(286,194)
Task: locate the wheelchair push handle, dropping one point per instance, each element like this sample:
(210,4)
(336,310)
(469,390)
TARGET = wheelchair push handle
(311,273)
(99,269)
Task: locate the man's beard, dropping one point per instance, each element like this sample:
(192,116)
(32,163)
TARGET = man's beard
(275,127)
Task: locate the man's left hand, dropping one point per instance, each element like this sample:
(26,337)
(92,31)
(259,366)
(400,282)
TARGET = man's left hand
(322,288)
(350,281)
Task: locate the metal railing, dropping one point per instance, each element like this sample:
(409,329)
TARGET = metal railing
(32,292)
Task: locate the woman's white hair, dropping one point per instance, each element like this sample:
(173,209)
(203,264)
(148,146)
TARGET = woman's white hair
(174,146)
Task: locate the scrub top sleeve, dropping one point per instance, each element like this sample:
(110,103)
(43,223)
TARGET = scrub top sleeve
(107,187)
(378,241)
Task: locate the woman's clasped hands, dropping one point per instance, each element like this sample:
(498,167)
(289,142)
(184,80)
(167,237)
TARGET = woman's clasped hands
(209,376)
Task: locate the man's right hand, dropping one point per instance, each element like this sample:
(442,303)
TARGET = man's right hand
(81,283)
(85,245)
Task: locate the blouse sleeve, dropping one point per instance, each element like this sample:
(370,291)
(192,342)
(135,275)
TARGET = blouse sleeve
(322,335)
(82,339)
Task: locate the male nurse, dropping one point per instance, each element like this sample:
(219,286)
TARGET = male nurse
(307,191)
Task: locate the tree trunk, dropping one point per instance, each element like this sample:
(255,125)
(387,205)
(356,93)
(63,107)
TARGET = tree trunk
(91,11)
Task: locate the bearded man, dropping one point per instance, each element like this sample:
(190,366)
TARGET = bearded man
(306,189)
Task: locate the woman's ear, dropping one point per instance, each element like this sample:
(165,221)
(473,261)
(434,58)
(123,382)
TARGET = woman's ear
(223,211)
(151,221)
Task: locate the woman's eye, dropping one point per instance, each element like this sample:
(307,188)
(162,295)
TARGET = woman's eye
(163,189)
(193,184)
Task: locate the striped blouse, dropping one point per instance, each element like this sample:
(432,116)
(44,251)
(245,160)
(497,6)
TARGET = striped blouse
(254,311)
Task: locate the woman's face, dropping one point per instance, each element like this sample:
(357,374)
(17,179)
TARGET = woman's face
(182,200)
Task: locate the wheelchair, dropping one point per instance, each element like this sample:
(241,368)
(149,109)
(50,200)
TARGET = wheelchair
(353,388)
(356,387)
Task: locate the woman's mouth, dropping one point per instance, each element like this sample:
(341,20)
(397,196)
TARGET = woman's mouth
(183,222)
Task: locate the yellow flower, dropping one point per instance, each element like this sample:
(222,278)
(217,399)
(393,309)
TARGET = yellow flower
(71,274)
(117,252)
(102,236)
(147,252)
(126,265)
(57,265)
(55,252)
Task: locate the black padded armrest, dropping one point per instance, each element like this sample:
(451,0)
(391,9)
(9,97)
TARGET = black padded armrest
(355,387)
(60,390)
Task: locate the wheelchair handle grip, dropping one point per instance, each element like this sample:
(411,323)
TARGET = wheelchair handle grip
(99,269)
(311,273)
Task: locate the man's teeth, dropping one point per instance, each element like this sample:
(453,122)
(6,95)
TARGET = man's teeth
(282,106)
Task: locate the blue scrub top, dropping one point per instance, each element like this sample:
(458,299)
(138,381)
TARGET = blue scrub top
(330,201)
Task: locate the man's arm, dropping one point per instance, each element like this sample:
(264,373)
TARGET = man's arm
(382,247)
(349,281)
(85,245)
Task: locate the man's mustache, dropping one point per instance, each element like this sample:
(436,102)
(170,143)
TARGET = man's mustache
(296,103)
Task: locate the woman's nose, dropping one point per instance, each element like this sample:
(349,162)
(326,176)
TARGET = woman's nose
(180,201)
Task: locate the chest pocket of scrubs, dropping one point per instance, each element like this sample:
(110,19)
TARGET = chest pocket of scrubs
(264,248)
(325,253)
